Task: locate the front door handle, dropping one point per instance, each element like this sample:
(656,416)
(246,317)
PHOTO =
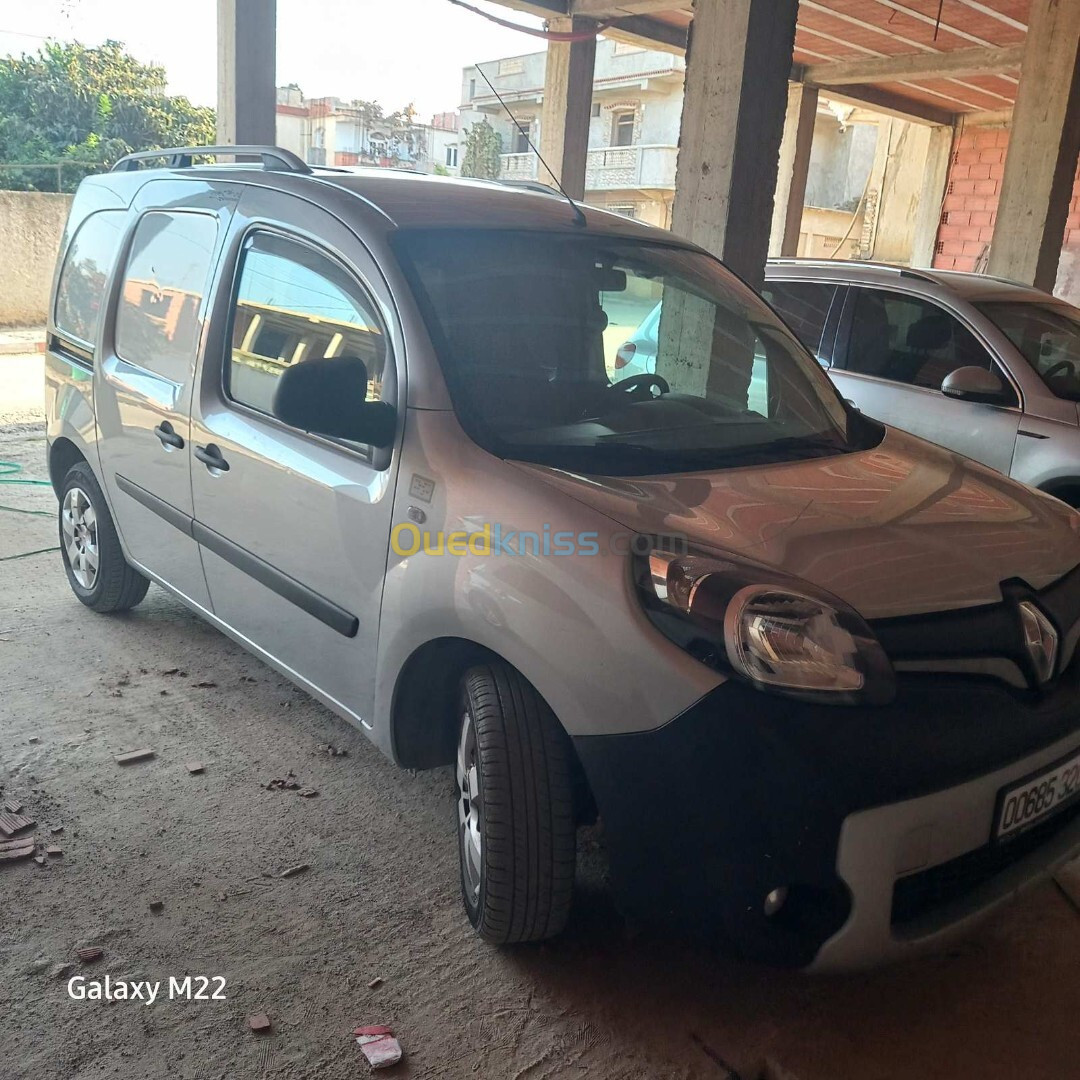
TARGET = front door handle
(167,434)
(210,455)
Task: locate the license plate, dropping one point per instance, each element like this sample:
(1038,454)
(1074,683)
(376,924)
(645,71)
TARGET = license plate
(1036,798)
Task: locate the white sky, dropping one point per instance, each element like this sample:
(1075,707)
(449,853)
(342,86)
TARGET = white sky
(392,51)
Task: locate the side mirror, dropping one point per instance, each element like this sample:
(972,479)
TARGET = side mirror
(328,397)
(974,384)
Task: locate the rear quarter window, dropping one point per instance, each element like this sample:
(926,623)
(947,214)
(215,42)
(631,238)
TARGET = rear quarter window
(80,291)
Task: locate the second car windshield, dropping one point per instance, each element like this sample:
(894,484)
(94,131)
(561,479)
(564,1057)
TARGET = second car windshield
(599,354)
(1048,336)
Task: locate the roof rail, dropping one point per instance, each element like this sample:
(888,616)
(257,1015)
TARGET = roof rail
(900,271)
(273,158)
(532,185)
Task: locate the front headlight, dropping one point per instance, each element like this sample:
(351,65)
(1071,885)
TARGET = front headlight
(779,633)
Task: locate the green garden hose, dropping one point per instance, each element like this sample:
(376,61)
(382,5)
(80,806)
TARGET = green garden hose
(8,469)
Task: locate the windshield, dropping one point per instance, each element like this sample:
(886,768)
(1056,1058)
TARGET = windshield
(1048,335)
(600,354)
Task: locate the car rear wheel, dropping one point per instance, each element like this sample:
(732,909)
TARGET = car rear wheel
(97,571)
(516,826)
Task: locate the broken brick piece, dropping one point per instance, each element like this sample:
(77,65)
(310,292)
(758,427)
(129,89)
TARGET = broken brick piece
(157,906)
(195,767)
(131,756)
(53,851)
(12,806)
(374,984)
(259,1022)
(10,824)
(33,739)
(307,793)
(89,955)
(39,859)
(13,850)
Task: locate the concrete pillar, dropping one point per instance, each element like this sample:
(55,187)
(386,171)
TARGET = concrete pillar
(1041,163)
(247,71)
(564,121)
(794,167)
(932,196)
(737,68)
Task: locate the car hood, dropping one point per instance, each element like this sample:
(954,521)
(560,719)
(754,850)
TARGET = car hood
(903,529)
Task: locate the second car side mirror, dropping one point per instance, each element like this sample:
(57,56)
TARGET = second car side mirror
(974,384)
(328,396)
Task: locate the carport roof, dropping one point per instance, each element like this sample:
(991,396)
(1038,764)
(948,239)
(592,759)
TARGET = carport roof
(886,52)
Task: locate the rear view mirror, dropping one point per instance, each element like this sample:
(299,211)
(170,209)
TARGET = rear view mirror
(974,384)
(328,397)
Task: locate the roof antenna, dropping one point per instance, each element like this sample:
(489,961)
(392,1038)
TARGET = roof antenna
(579,213)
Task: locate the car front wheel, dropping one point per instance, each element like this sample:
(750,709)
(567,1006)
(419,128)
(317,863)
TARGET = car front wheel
(516,825)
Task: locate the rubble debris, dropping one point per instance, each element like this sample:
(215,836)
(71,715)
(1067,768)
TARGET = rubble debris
(175,671)
(375,984)
(260,1022)
(39,859)
(293,871)
(290,783)
(157,906)
(53,851)
(89,955)
(194,767)
(12,850)
(307,793)
(131,756)
(10,824)
(205,685)
(54,829)
(333,751)
(33,739)
(378,1045)
(12,806)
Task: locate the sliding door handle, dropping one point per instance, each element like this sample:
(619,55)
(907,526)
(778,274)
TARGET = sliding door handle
(210,455)
(167,434)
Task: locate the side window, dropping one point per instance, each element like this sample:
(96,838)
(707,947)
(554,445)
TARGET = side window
(87,265)
(294,304)
(908,340)
(167,273)
(804,306)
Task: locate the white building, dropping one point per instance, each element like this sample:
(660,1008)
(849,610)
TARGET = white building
(331,131)
(633,137)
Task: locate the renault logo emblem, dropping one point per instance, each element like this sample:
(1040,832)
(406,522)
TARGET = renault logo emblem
(1040,640)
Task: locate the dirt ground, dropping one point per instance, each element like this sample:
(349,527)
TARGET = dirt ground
(380,898)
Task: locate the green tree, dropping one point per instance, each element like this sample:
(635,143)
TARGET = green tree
(71,103)
(483,149)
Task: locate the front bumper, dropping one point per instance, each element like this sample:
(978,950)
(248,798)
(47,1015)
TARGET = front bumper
(877,821)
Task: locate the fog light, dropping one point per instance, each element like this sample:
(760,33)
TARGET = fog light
(775,900)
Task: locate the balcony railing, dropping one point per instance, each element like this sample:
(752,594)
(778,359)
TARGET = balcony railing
(612,168)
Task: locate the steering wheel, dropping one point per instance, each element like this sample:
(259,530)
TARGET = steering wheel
(1060,368)
(635,384)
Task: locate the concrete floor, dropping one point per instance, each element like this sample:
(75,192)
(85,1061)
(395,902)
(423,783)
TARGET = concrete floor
(380,898)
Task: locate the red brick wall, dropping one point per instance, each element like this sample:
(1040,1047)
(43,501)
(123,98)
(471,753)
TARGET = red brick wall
(971,198)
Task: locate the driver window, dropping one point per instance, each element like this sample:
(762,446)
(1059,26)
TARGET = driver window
(908,340)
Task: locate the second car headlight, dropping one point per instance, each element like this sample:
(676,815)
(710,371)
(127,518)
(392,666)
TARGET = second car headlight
(780,634)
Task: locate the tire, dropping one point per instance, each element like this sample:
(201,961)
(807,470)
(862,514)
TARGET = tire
(87,533)
(515,797)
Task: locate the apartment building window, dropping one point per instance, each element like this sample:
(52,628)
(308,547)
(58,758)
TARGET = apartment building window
(451,157)
(472,89)
(622,129)
(522,134)
(627,210)
(596,108)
